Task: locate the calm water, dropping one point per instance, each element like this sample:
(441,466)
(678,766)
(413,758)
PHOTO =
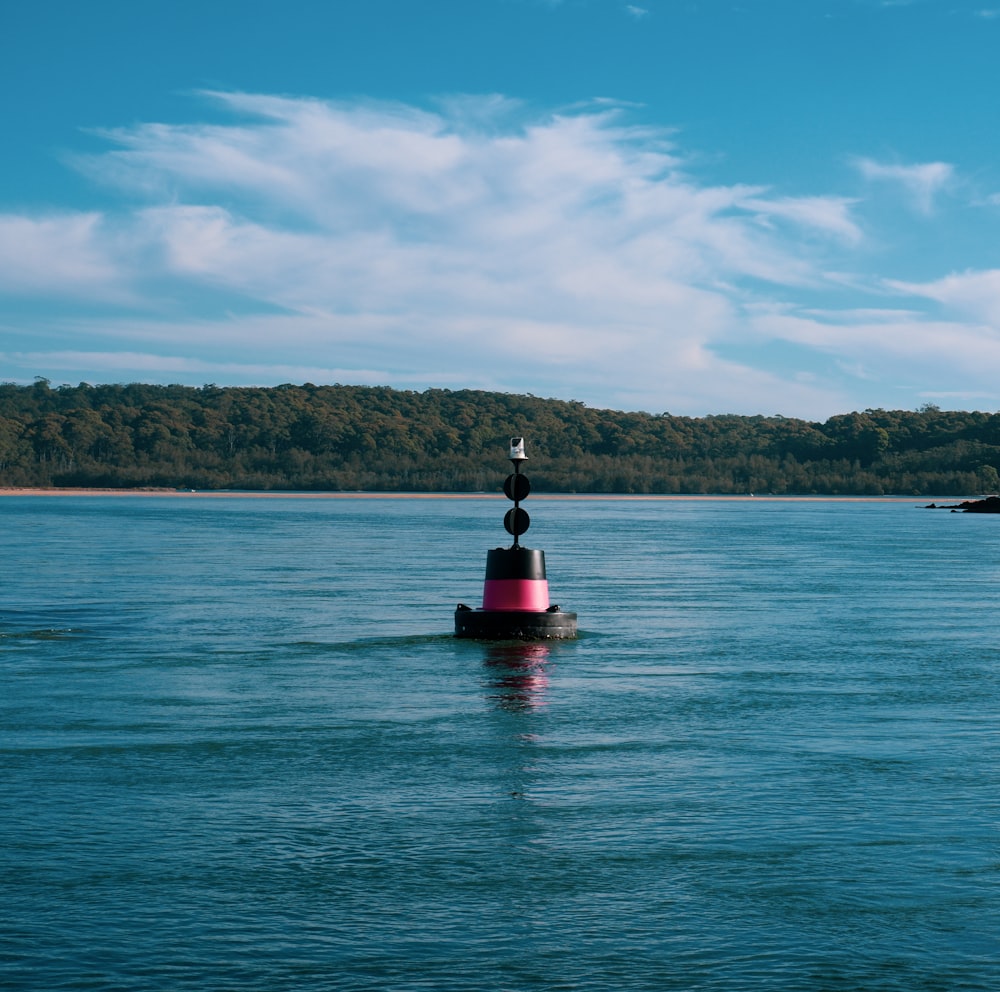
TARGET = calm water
(241,750)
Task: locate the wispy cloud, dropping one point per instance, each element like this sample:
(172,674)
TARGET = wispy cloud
(894,350)
(922,183)
(974,294)
(143,364)
(476,244)
(69,254)
(827,215)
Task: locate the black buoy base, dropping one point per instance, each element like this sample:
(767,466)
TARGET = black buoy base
(511,625)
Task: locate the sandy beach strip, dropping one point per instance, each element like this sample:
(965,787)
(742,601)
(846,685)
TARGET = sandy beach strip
(619,497)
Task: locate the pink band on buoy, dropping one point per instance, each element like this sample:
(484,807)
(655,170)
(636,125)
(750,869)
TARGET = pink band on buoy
(516,594)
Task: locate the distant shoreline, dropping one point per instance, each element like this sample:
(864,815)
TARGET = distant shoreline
(621,497)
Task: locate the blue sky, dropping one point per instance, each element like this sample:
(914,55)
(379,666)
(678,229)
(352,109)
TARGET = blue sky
(696,206)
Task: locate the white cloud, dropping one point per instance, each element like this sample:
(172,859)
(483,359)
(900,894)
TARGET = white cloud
(137,363)
(897,350)
(481,245)
(975,294)
(66,254)
(391,206)
(922,183)
(826,215)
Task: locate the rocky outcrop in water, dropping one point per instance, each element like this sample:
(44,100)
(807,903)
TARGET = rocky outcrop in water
(991,504)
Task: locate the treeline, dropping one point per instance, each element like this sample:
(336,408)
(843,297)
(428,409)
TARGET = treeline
(378,439)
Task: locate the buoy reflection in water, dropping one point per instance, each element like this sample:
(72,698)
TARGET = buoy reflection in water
(518,674)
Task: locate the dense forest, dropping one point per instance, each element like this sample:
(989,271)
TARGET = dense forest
(378,439)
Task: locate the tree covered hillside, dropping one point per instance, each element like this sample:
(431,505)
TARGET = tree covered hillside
(378,439)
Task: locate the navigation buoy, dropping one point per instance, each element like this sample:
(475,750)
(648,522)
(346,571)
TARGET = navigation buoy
(516,590)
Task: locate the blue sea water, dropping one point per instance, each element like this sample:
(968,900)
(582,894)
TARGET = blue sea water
(240,749)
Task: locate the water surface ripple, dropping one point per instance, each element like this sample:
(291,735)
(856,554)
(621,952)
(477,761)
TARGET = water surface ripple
(242,750)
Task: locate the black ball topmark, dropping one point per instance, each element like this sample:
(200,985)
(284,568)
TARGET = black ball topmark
(516,487)
(516,521)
